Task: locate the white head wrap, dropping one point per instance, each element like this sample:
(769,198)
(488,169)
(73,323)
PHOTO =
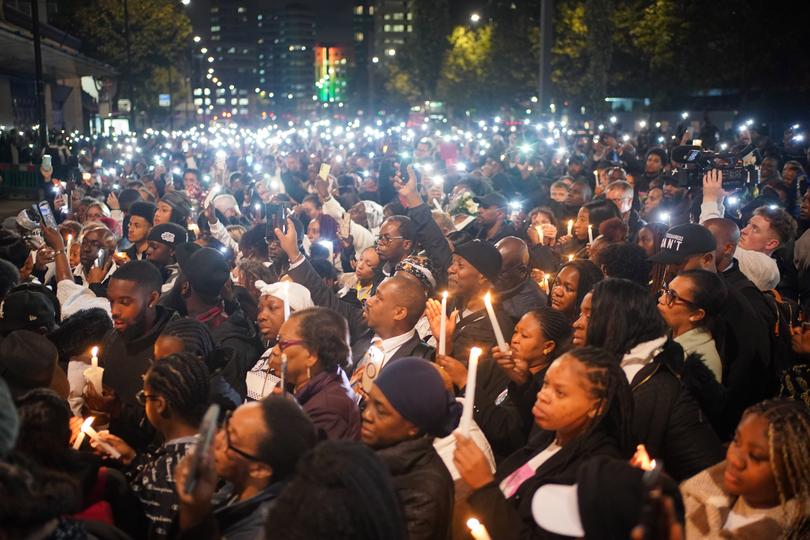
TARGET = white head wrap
(297,295)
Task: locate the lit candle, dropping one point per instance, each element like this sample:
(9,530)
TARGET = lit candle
(94,357)
(502,345)
(571,257)
(94,374)
(539,229)
(570,226)
(590,233)
(93,434)
(443,326)
(80,437)
(469,392)
(286,300)
(477,530)
(545,283)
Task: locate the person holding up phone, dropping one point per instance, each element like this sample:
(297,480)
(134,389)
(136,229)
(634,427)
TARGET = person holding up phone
(255,451)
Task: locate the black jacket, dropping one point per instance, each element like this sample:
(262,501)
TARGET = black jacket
(475,330)
(424,487)
(125,363)
(668,420)
(239,341)
(522,299)
(508,519)
(432,240)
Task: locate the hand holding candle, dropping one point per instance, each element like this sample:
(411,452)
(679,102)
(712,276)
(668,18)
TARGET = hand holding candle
(502,345)
(93,434)
(80,437)
(443,326)
(469,392)
(94,374)
(570,226)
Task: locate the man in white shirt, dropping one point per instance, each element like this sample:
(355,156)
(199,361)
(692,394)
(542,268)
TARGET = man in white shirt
(767,230)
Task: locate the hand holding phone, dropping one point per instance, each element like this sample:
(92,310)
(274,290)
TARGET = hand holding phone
(47,163)
(47,216)
(208,428)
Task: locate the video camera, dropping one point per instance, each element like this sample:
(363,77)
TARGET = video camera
(739,169)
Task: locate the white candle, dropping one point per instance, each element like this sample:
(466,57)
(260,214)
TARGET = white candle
(570,258)
(539,229)
(80,437)
(570,226)
(545,283)
(477,530)
(286,300)
(590,233)
(93,434)
(443,326)
(502,345)
(67,248)
(469,392)
(94,356)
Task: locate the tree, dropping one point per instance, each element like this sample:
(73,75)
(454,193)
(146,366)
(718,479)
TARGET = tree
(465,68)
(415,71)
(159,32)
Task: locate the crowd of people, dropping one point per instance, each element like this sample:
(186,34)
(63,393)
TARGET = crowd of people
(509,331)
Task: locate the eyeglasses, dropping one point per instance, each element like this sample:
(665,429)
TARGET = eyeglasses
(242,453)
(142,397)
(384,240)
(672,297)
(284,344)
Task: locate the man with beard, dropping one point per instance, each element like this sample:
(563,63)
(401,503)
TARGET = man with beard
(491,219)
(677,203)
(126,351)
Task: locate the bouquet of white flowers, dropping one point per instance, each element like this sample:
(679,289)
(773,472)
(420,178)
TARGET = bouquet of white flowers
(463,204)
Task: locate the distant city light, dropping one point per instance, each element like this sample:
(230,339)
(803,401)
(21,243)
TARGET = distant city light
(475,17)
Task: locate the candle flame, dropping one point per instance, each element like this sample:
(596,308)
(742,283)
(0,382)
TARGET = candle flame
(487,298)
(70,238)
(87,423)
(444,294)
(475,352)
(644,460)
(570,258)
(94,351)
(473,524)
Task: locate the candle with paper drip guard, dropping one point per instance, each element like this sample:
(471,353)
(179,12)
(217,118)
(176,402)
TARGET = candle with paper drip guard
(443,326)
(590,233)
(469,392)
(570,226)
(93,434)
(539,229)
(477,530)
(94,374)
(502,345)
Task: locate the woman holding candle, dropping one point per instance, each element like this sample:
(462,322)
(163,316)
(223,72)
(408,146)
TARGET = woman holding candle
(540,337)
(175,397)
(584,408)
(586,226)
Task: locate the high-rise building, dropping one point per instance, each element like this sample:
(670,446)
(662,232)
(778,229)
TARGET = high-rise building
(291,56)
(393,21)
(362,50)
(331,71)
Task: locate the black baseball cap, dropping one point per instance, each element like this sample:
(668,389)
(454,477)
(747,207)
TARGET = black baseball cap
(206,270)
(684,241)
(26,310)
(170,234)
(492,199)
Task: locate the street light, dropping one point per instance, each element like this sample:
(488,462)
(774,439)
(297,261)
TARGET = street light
(475,17)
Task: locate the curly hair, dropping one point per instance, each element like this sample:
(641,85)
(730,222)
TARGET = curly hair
(628,261)
(326,335)
(780,221)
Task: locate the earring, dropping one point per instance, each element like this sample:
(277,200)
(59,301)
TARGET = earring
(309,374)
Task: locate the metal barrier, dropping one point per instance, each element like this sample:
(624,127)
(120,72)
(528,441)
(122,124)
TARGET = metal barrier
(18,181)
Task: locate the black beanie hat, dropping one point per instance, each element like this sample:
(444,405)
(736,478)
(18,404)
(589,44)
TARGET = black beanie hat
(483,256)
(146,210)
(206,271)
(416,390)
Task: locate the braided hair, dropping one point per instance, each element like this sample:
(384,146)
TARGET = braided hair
(788,433)
(182,379)
(615,400)
(196,337)
(556,327)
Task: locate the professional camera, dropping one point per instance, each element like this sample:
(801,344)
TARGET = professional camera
(739,169)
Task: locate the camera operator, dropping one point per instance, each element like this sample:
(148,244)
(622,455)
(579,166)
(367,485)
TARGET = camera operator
(769,229)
